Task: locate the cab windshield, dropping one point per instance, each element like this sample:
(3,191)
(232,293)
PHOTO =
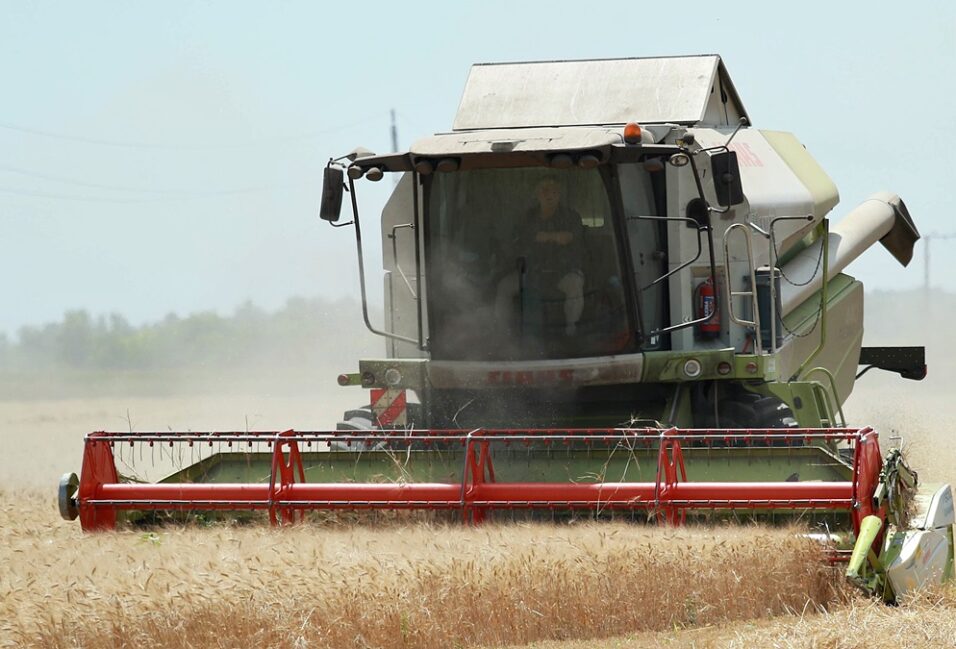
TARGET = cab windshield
(523,264)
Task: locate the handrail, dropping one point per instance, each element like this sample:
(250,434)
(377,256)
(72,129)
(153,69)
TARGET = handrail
(772,256)
(398,266)
(683,265)
(752,293)
(361,268)
(833,389)
(774,271)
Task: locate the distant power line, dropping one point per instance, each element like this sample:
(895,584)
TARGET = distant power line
(182,193)
(164,199)
(182,146)
(160,195)
(414,122)
(927,239)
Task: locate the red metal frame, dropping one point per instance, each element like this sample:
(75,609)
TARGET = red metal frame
(99,469)
(867,464)
(670,471)
(288,471)
(286,496)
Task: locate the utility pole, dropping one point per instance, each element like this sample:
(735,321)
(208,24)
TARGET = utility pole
(929,238)
(394,142)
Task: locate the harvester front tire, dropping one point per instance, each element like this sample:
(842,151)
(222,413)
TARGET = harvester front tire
(66,496)
(357,419)
(742,409)
(774,413)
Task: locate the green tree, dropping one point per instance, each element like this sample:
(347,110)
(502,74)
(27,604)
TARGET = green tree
(75,339)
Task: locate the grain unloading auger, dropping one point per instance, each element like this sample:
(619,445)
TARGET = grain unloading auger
(605,294)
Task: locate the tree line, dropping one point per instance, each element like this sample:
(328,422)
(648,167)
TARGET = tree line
(310,331)
(304,331)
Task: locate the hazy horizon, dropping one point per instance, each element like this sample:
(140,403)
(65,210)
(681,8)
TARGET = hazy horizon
(352,306)
(167,158)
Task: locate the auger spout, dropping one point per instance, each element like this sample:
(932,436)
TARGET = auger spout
(882,217)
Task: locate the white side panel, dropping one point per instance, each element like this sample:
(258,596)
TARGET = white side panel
(401,282)
(771,187)
(397,211)
(681,246)
(936,511)
(401,317)
(922,561)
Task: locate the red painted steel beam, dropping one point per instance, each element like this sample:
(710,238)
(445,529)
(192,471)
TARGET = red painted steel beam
(135,496)
(831,495)
(637,495)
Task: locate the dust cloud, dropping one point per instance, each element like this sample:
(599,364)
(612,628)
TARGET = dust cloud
(43,419)
(921,413)
(283,377)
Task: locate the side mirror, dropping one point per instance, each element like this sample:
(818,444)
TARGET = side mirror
(727,183)
(332,190)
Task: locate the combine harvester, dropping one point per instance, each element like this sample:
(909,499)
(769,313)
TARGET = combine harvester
(605,294)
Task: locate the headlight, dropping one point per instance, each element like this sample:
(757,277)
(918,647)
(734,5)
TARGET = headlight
(692,368)
(393,377)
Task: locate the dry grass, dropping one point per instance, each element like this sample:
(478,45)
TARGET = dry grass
(927,622)
(400,586)
(421,586)
(42,439)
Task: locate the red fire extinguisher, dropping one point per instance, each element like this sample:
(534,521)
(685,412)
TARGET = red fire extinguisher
(706,305)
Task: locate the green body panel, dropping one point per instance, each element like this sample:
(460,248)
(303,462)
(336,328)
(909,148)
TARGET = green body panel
(837,350)
(802,318)
(805,400)
(667,367)
(814,178)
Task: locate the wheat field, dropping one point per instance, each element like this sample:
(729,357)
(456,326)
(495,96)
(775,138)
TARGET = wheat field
(396,584)
(391,585)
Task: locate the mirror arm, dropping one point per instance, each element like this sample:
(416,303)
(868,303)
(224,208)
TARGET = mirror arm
(361,266)
(726,145)
(701,227)
(743,121)
(713,273)
(700,186)
(682,266)
(709,228)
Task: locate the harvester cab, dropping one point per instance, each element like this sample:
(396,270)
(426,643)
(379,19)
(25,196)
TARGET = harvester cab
(592,244)
(605,291)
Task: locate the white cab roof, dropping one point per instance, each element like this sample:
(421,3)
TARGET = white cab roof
(687,90)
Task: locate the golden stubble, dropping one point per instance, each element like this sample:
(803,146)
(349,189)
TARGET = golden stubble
(387,585)
(395,585)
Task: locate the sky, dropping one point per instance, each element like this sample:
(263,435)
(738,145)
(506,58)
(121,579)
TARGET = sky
(167,157)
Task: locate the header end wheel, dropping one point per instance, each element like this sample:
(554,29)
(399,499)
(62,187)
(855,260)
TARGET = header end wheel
(66,496)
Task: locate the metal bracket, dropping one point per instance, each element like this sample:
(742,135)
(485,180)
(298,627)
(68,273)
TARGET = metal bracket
(908,362)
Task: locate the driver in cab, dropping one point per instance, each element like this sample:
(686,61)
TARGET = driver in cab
(548,245)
